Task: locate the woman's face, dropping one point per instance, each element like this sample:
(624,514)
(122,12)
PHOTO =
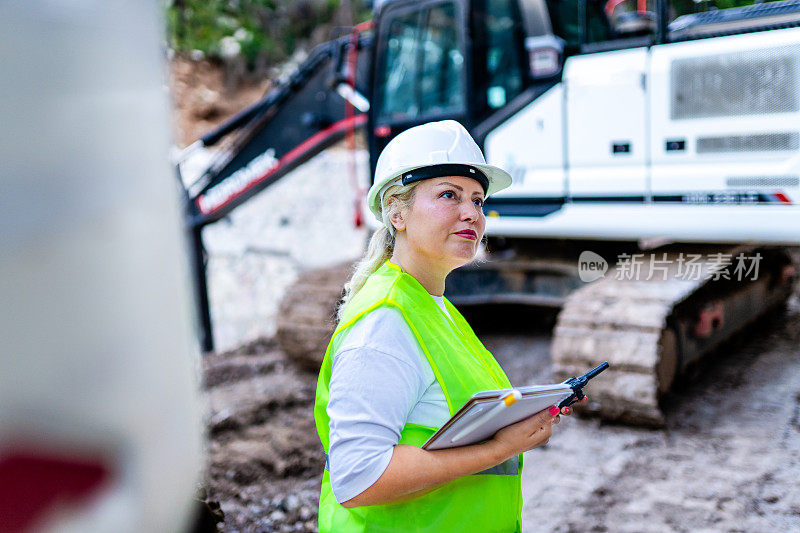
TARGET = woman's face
(445,222)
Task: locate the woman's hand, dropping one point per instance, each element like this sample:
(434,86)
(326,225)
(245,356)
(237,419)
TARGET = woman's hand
(526,434)
(529,433)
(568,410)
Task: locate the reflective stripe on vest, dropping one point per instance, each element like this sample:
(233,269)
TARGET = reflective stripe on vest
(488,501)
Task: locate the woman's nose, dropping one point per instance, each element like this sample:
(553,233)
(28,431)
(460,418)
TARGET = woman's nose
(469,211)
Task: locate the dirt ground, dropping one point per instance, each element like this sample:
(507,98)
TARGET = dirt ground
(264,459)
(728,460)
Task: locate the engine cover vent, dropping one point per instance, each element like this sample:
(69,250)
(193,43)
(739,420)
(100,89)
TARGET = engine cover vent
(766,142)
(742,83)
(763,181)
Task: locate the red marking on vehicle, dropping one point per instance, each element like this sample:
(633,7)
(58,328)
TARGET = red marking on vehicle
(352,64)
(782,198)
(32,484)
(711,318)
(364,26)
(290,156)
(383,131)
(611,5)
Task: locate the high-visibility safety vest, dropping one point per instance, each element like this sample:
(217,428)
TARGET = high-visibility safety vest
(488,501)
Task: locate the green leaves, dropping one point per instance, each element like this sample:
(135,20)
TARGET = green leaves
(261,31)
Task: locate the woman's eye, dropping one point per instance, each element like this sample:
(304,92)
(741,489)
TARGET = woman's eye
(447,194)
(479,202)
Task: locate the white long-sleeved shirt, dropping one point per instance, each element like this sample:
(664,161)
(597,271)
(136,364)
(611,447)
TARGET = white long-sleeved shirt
(380,380)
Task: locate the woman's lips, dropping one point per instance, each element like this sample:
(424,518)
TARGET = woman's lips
(467,234)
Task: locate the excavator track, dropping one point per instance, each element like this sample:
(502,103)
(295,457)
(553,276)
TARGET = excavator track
(650,330)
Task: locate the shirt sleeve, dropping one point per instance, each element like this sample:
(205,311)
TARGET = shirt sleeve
(373,388)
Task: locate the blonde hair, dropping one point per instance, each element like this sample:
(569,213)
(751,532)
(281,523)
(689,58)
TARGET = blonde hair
(381,245)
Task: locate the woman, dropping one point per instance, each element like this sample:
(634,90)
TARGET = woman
(403,359)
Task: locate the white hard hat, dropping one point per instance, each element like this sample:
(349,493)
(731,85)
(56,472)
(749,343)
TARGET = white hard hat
(432,150)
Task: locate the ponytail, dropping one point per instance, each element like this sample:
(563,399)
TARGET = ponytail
(381,244)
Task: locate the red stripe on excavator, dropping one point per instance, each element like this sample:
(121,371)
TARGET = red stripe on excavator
(782,198)
(291,155)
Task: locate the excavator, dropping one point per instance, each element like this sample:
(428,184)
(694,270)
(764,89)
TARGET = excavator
(656,161)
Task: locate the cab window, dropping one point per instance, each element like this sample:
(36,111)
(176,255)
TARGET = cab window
(499,68)
(566,21)
(422,73)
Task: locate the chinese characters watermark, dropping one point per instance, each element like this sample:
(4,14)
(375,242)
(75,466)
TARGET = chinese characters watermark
(663,266)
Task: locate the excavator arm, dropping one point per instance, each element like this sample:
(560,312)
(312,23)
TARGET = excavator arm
(324,100)
(311,110)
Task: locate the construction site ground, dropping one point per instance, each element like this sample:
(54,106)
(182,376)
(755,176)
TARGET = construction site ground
(728,460)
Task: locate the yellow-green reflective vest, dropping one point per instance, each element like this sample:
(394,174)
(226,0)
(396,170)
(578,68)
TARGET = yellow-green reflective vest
(485,502)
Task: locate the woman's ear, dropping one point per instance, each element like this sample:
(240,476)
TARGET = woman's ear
(397,220)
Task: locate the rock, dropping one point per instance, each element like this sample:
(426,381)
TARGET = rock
(291,503)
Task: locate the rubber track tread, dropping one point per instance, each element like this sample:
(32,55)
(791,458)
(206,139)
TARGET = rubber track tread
(621,321)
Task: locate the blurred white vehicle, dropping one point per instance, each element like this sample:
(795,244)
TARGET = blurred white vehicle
(100,416)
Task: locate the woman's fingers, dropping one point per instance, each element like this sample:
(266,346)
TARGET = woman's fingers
(537,424)
(537,429)
(530,433)
(568,410)
(543,422)
(542,434)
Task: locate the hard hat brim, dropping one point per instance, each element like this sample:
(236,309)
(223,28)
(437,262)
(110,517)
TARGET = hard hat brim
(498,178)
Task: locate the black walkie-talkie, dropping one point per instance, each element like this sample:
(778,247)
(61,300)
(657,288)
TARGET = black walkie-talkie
(579,382)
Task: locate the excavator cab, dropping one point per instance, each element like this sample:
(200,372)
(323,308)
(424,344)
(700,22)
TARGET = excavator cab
(447,60)
(480,62)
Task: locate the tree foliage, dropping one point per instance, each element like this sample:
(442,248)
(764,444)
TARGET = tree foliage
(261,31)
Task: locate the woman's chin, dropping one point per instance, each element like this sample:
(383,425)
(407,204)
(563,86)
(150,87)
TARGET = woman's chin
(464,254)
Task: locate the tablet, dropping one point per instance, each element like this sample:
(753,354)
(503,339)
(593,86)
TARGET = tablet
(533,399)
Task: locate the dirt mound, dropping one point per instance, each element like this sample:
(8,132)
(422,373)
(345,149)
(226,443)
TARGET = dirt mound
(264,457)
(203,96)
(307,314)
